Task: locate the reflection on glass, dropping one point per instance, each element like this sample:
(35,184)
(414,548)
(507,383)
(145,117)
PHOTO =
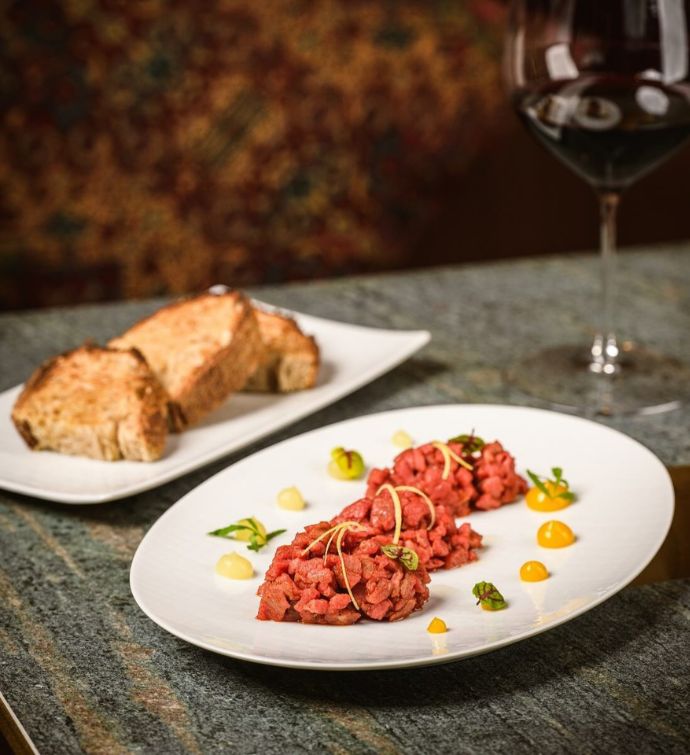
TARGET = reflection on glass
(604,87)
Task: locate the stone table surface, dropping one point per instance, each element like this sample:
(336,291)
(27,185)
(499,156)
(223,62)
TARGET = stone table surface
(85,670)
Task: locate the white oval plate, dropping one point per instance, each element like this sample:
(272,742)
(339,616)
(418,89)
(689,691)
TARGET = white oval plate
(621,517)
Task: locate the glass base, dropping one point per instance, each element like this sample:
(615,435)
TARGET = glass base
(645,382)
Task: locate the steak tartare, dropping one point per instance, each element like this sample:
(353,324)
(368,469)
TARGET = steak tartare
(337,581)
(440,470)
(495,478)
(439,543)
(372,560)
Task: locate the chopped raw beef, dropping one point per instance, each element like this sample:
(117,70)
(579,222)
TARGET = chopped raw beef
(492,482)
(423,468)
(305,586)
(496,480)
(444,545)
(337,572)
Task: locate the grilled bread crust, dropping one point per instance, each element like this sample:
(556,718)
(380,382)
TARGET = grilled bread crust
(291,358)
(97,402)
(202,349)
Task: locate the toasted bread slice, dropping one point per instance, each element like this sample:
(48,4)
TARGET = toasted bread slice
(96,402)
(291,359)
(202,349)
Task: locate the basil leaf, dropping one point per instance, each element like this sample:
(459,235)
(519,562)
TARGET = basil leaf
(489,596)
(471,443)
(407,557)
(392,551)
(225,531)
(257,539)
(538,483)
(253,525)
(558,481)
(254,544)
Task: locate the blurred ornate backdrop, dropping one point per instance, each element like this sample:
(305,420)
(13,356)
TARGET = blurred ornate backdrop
(161,145)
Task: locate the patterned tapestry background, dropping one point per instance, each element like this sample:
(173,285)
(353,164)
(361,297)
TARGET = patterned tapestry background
(157,146)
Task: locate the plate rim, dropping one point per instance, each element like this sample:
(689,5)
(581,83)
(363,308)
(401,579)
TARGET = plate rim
(426,661)
(418,339)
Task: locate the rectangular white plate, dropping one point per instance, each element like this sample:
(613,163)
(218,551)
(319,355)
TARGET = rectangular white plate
(351,357)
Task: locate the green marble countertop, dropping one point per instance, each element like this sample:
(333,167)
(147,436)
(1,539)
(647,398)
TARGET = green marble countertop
(85,670)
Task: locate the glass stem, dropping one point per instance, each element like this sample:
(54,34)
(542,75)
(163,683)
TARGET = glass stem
(605,347)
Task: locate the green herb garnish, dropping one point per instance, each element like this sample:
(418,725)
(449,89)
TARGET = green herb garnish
(256,534)
(470,443)
(542,483)
(407,557)
(489,597)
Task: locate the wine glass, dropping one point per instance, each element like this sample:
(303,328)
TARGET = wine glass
(604,85)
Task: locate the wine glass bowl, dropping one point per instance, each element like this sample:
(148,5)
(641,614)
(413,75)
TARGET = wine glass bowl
(605,88)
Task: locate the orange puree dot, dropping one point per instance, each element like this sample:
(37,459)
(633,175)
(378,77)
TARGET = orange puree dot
(437,626)
(533,571)
(539,501)
(555,534)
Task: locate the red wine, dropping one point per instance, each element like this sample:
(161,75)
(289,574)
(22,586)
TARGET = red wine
(609,130)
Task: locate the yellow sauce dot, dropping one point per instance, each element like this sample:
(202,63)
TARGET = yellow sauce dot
(244,535)
(555,534)
(437,626)
(539,501)
(533,571)
(291,499)
(234,566)
(401,439)
(334,471)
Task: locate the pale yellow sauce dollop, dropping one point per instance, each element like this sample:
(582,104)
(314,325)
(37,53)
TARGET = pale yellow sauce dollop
(291,499)
(234,566)
(401,439)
